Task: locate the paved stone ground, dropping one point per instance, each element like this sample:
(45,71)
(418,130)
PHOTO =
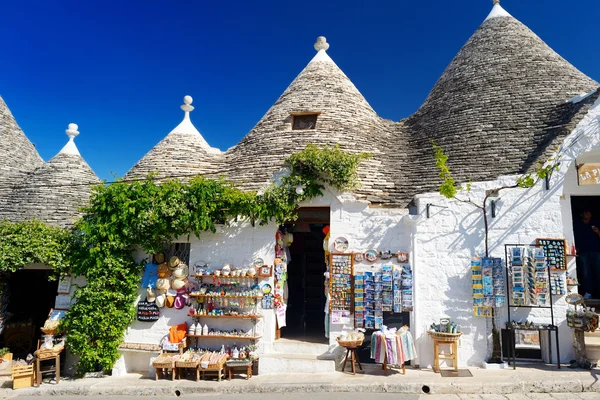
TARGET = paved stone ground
(533,382)
(345,396)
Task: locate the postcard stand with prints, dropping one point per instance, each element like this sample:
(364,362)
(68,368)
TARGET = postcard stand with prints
(341,288)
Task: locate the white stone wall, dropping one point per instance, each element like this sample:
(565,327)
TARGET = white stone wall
(441,248)
(445,243)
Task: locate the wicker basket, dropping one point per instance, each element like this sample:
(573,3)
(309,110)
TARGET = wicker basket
(445,337)
(350,344)
(50,331)
(163,362)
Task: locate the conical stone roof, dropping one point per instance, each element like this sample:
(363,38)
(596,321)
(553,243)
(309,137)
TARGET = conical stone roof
(183,153)
(344,117)
(497,106)
(19,155)
(55,191)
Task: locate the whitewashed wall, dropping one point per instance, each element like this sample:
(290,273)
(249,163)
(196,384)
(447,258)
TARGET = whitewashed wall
(445,243)
(441,248)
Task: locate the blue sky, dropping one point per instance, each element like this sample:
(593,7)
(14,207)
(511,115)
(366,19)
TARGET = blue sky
(120,69)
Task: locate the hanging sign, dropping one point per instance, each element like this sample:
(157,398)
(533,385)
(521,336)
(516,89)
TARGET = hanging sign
(588,174)
(64,285)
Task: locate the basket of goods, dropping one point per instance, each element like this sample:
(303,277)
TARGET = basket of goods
(446,331)
(351,339)
(213,362)
(50,327)
(48,349)
(188,360)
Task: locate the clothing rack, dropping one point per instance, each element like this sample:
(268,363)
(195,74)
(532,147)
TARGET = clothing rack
(405,354)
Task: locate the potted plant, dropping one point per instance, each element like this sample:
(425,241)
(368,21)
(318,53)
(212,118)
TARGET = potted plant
(5,355)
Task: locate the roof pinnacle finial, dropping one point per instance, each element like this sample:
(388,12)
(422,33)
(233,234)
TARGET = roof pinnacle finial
(321,44)
(496,2)
(187,106)
(72,131)
(70,147)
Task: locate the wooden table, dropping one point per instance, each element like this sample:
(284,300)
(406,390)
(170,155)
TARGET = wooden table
(247,366)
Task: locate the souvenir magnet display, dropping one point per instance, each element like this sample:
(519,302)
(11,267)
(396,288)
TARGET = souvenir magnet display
(358,257)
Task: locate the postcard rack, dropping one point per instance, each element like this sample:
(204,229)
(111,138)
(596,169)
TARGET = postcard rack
(517,285)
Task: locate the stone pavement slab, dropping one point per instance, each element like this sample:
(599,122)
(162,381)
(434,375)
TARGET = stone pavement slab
(485,384)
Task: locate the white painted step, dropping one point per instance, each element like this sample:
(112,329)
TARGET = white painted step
(592,345)
(295,346)
(288,363)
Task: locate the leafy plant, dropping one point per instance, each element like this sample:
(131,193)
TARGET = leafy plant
(4,351)
(23,243)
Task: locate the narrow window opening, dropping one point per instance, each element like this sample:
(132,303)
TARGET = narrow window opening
(304,121)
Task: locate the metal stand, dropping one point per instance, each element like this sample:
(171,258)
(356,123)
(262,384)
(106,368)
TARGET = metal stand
(550,328)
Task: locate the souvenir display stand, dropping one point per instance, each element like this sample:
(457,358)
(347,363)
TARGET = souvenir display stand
(528,274)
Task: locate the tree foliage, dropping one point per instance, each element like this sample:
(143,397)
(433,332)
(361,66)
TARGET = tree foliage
(33,242)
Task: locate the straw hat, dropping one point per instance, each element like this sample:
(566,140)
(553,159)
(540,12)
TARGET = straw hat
(160,300)
(170,301)
(178,284)
(163,284)
(150,295)
(164,271)
(174,262)
(181,272)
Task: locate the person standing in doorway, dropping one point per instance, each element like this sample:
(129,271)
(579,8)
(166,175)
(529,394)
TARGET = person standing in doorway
(587,241)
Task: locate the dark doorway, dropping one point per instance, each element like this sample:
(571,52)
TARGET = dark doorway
(579,204)
(306,282)
(32,295)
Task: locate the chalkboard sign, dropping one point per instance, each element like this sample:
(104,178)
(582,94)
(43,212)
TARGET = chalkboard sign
(147,311)
(555,250)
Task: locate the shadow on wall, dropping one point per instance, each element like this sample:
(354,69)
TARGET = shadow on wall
(471,235)
(460,311)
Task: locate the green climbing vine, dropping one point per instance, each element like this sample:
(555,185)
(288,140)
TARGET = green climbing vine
(33,242)
(149,214)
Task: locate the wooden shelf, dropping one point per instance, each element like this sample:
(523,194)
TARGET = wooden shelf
(227,277)
(214,296)
(224,337)
(228,316)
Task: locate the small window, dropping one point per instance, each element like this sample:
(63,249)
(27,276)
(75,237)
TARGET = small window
(304,121)
(181,250)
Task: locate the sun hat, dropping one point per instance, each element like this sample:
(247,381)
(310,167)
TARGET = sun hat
(150,295)
(163,284)
(160,300)
(178,284)
(164,271)
(174,262)
(181,272)
(179,302)
(159,258)
(170,301)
